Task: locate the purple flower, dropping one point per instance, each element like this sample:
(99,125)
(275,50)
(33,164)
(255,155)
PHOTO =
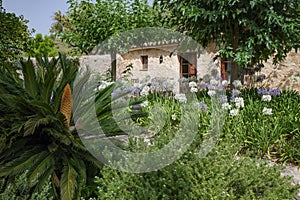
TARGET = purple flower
(136,91)
(262,91)
(202,85)
(274,92)
(136,107)
(201,106)
(223,98)
(232,98)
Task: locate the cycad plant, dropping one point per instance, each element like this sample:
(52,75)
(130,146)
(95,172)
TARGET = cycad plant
(35,107)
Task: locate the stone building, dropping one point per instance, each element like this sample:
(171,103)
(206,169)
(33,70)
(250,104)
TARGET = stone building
(159,61)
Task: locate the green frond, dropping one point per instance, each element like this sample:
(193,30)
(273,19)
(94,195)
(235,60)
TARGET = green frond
(28,159)
(29,76)
(43,167)
(68,182)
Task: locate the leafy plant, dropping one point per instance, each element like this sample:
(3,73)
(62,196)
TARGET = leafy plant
(34,133)
(19,189)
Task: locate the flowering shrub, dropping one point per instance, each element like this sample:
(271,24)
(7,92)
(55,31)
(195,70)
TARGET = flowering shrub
(261,123)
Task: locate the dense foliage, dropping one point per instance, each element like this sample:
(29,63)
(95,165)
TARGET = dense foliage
(42,45)
(14,34)
(34,133)
(247,31)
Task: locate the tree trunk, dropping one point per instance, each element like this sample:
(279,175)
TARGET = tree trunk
(113,57)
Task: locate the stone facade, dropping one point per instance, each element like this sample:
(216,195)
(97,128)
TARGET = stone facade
(161,63)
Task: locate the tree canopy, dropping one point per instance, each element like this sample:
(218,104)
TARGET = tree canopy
(42,45)
(14,35)
(87,23)
(247,31)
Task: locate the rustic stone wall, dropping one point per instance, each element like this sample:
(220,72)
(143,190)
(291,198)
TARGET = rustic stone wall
(285,75)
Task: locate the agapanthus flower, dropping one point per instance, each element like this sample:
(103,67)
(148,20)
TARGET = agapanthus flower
(274,92)
(214,82)
(194,89)
(201,106)
(181,98)
(239,102)
(267,111)
(223,98)
(266,97)
(225,83)
(174,117)
(211,93)
(226,106)
(235,93)
(145,104)
(234,112)
(145,91)
(192,84)
(202,85)
(237,84)
(262,91)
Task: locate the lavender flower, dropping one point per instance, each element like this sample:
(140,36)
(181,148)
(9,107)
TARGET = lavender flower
(201,106)
(202,85)
(274,92)
(262,91)
(235,92)
(223,98)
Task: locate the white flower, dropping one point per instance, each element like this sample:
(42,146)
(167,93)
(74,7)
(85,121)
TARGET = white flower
(266,97)
(237,84)
(267,111)
(104,84)
(181,98)
(211,93)
(236,92)
(145,91)
(239,102)
(174,116)
(214,82)
(234,112)
(145,104)
(194,89)
(226,106)
(192,84)
(225,83)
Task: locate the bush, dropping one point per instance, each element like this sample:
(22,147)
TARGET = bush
(220,175)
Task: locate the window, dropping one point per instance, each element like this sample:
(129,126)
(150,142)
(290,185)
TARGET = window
(144,60)
(225,69)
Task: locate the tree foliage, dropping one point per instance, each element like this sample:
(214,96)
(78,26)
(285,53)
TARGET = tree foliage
(87,24)
(248,31)
(14,35)
(41,45)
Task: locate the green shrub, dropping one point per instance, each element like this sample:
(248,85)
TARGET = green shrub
(19,189)
(220,175)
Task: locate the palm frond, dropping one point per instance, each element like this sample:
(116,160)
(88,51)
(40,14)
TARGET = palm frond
(25,161)
(68,182)
(29,76)
(42,168)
